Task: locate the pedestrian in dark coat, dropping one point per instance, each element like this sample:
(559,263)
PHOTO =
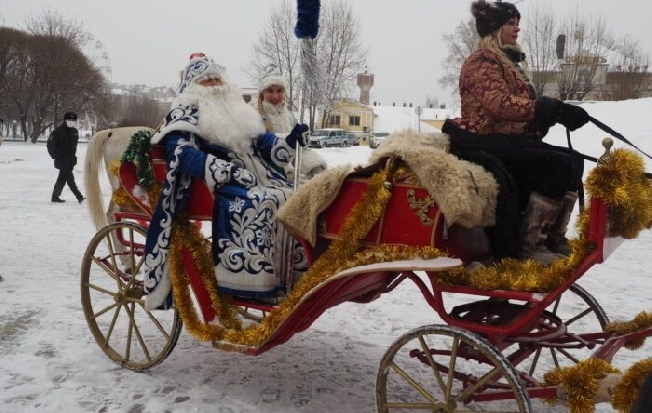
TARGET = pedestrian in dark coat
(62,146)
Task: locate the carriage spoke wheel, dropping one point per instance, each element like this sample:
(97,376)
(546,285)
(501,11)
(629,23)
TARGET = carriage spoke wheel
(581,313)
(446,369)
(113,300)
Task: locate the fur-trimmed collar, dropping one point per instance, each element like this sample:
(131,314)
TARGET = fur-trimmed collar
(217,114)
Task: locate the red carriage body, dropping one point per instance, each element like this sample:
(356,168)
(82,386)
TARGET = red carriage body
(523,324)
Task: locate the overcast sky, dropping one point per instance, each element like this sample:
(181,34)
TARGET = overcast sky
(149,41)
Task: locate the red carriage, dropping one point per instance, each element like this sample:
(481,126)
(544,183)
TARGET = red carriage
(488,351)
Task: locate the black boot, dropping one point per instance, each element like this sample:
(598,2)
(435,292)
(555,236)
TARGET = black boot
(81,198)
(57,199)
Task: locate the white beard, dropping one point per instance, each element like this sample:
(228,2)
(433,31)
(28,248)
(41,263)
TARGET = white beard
(279,117)
(225,118)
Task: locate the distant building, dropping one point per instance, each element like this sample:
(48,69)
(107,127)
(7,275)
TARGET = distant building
(249,94)
(365,82)
(363,119)
(352,116)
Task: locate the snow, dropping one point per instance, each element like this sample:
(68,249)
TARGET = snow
(396,118)
(49,360)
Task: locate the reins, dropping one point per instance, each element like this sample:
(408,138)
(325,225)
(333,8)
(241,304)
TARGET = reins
(613,133)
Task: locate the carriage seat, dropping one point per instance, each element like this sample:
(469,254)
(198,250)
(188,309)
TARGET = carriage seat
(438,213)
(201,205)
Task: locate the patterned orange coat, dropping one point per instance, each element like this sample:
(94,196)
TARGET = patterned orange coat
(495,98)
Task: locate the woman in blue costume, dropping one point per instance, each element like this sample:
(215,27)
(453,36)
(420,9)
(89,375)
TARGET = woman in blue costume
(210,133)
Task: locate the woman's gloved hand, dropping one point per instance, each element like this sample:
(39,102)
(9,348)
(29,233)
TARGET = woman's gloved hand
(573,117)
(547,111)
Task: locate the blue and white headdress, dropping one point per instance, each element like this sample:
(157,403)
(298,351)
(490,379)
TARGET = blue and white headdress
(199,68)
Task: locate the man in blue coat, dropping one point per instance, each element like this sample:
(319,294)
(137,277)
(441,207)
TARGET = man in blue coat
(210,133)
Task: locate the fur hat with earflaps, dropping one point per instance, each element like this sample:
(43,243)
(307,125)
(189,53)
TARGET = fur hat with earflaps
(490,16)
(271,77)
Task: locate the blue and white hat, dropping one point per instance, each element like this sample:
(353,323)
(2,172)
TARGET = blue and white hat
(199,68)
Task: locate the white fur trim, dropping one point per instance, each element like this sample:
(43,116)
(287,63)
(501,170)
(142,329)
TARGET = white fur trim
(157,297)
(270,81)
(221,116)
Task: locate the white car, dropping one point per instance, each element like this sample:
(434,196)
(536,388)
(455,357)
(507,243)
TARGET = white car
(322,138)
(376,138)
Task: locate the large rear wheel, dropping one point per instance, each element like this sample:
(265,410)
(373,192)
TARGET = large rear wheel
(113,300)
(446,369)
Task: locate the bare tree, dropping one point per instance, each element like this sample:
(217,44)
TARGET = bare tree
(338,49)
(340,53)
(139,111)
(584,65)
(43,73)
(14,70)
(65,79)
(588,51)
(278,46)
(460,44)
(432,102)
(629,77)
(541,50)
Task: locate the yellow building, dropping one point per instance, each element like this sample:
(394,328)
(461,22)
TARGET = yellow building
(352,116)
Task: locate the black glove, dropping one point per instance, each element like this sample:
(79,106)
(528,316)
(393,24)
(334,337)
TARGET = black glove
(299,135)
(573,117)
(547,111)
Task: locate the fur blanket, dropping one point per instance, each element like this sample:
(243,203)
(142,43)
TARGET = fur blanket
(465,192)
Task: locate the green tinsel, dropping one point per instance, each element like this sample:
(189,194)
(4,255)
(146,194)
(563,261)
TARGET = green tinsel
(138,152)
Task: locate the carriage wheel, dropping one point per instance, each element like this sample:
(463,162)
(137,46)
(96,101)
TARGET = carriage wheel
(581,313)
(112,299)
(446,369)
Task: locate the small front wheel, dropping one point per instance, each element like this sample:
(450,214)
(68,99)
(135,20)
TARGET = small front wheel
(446,369)
(112,298)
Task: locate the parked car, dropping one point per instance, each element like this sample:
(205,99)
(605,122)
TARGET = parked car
(322,138)
(376,138)
(353,136)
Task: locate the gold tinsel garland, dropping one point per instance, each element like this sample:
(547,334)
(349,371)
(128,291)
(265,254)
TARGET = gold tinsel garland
(340,256)
(642,321)
(580,382)
(121,197)
(627,390)
(185,234)
(509,274)
(620,183)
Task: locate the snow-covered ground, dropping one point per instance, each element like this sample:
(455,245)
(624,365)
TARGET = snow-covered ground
(50,362)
